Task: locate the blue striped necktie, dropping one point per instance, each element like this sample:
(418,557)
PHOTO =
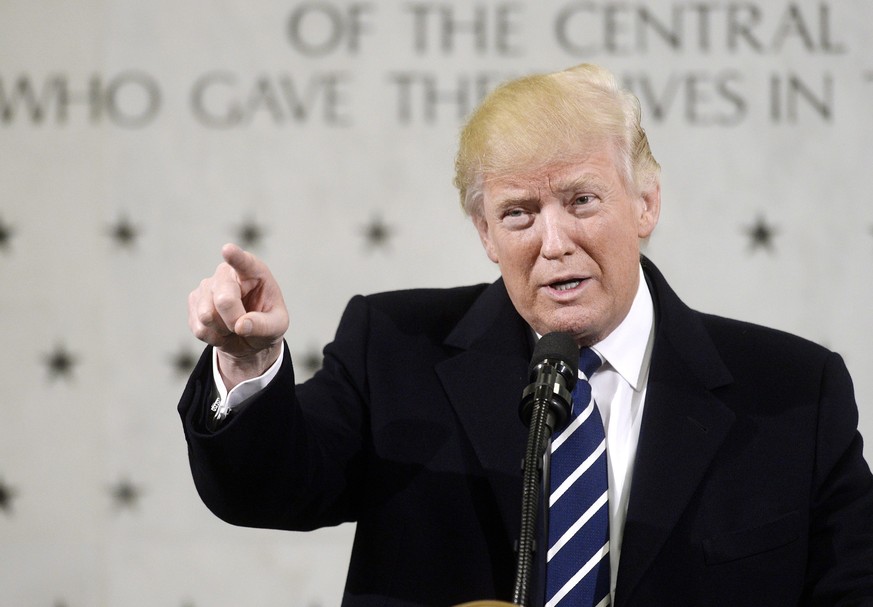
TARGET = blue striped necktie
(577,573)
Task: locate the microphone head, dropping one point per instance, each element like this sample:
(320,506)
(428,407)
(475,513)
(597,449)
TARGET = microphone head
(556,347)
(553,370)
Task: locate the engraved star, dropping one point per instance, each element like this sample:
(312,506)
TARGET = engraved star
(6,233)
(125,494)
(183,362)
(761,235)
(60,362)
(377,233)
(124,233)
(311,361)
(6,495)
(250,234)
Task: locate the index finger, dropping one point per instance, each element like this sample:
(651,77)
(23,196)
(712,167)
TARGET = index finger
(244,263)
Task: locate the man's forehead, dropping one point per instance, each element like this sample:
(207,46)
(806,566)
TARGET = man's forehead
(592,169)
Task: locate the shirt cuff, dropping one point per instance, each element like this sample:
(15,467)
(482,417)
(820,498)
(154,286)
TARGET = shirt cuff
(230,401)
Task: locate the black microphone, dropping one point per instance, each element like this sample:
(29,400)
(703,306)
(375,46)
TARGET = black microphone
(553,370)
(545,407)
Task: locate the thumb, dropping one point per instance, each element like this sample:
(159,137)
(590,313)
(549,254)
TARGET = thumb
(244,326)
(270,326)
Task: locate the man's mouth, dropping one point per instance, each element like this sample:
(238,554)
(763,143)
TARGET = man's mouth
(565,285)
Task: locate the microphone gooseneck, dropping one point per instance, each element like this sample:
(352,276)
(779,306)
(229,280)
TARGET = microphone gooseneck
(545,407)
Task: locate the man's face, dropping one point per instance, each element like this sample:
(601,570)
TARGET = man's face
(567,241)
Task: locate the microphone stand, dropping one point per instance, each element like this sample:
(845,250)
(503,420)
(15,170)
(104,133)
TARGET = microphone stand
(544,415)
(545,404)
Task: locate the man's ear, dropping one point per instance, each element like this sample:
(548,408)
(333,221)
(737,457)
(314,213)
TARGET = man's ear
(482,227)
(650,209)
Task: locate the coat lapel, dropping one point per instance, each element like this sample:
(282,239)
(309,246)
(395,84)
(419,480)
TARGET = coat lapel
(483,382)
(683,426)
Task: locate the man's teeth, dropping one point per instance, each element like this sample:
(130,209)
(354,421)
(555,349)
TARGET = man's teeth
(566,286)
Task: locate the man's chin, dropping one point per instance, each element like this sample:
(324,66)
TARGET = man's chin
(581,329)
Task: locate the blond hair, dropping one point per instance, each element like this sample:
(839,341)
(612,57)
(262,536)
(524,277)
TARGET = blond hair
(540,120)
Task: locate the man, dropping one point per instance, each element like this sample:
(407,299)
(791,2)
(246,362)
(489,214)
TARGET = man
(735,468)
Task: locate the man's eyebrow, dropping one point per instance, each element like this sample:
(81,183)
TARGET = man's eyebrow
(582,182)
(513,196)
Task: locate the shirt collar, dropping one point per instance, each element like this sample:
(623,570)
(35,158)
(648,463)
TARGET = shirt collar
(628,349)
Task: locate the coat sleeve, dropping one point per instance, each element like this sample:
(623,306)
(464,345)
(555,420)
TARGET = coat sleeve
(840,568)
(292,458)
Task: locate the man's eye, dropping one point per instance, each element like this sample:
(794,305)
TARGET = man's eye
(584,199)
(514,213)
(517,219)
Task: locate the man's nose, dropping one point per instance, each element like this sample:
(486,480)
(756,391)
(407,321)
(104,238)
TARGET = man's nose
(557,234)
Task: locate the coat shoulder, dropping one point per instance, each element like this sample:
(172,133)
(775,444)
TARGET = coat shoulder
(425,310)
(761,342)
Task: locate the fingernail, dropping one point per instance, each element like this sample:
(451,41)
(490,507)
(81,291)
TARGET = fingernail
(246,327)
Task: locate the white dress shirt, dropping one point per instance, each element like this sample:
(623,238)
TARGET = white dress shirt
(619,390)
(231,401)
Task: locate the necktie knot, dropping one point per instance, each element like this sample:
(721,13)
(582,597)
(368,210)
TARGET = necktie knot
(589,362)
